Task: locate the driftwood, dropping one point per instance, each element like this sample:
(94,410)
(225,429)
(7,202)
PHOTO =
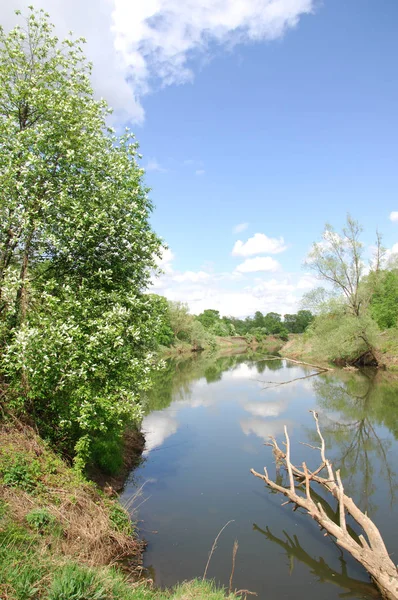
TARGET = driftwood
(368,548)
(297,362)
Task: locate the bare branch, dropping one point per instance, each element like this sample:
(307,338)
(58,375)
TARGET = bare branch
(368,548)
(343,524)
(288,463)
(214,546)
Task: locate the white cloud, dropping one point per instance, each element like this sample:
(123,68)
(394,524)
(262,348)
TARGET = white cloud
(264,428)
(165,261)
(259,244)
(307,282)
(241,227)
(200,172)
(260,263)
(394,216)
(157,427)
(243,371)
(390,255)
(239,303)
(272,286)
(225,292)
(191,276)
(140,45)
(265,409)
(153,165)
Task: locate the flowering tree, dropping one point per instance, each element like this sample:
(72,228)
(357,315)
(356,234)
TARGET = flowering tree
(76,246)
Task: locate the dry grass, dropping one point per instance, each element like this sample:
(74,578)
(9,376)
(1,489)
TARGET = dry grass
(91,528)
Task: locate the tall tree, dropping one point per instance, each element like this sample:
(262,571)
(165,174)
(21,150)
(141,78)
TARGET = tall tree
(76,246)
(337,259)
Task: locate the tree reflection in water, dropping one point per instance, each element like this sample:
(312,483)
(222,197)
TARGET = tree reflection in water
(355,406)
(355,588)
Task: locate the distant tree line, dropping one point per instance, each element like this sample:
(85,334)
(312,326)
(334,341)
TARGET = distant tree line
(203,329)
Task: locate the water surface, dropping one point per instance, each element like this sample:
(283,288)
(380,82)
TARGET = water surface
(207,420)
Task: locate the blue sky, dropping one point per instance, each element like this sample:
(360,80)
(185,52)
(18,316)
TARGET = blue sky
(278,114)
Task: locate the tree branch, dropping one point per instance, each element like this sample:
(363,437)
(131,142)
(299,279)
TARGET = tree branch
(369,548)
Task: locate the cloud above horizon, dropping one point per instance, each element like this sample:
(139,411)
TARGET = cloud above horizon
(259,243)
(232,292)
(139,47)
(260,263)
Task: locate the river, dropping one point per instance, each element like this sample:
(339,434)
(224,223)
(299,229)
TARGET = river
(206,422)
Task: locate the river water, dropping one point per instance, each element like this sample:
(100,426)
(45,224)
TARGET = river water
(206,422)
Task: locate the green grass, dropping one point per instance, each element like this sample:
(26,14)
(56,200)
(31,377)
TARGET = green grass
(59,533)
(28,571)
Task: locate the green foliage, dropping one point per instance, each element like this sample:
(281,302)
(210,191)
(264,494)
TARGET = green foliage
(107,452)
(179,318)
(188,328)
(164,332)
(384,301)
(20,472)
(120,519)
(199,337)
(341,335)
(76,247)
(299,322)
(40,519)
(258,326)
(209,318)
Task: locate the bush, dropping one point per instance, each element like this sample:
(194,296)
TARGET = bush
(120,519)
(384,302)
(343,336)
(18,472)
(40,519)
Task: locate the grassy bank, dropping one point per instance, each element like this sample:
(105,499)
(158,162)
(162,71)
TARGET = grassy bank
(61,538)
(301,347)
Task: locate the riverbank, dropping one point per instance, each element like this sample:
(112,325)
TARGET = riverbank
(300,347)
(61,537)
(270,345)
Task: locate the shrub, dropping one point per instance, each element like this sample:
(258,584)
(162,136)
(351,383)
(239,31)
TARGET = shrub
(17,471)
(40,519)
(120,519)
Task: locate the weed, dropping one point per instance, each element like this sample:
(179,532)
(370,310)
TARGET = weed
(77,583)
(120,519)
(40,519)
(19,472)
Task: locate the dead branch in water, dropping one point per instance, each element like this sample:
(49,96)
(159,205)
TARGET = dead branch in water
(214,546)
(297,362)
(273,384)
(369,548)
